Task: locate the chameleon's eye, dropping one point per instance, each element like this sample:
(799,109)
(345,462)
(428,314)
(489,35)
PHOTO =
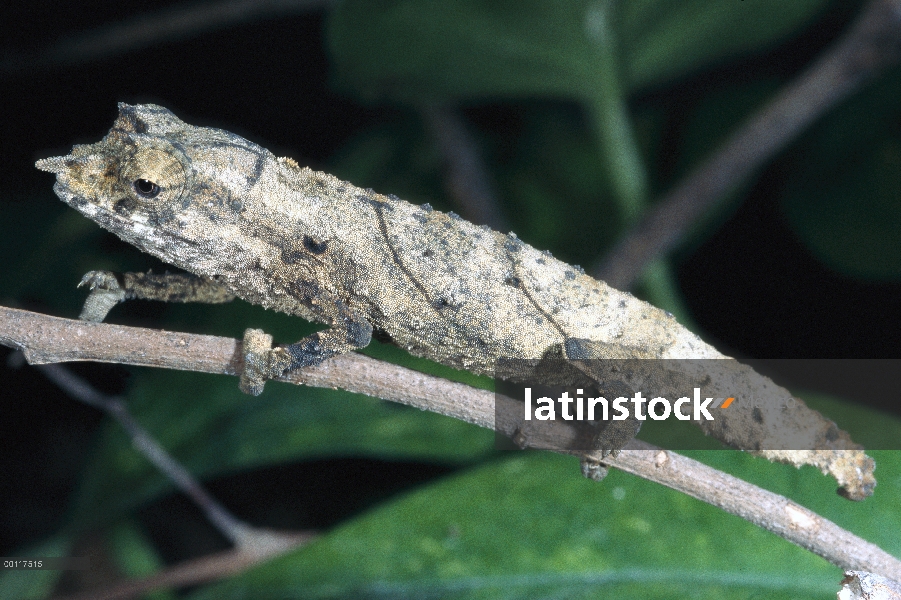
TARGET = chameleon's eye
(146,188)
(155,173)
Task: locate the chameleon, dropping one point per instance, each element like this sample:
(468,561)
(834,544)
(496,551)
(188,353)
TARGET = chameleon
(244,223)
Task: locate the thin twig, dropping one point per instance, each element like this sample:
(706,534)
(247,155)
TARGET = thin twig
(248,539)
(872,44)
(50,339)
(193,572)
(142,31)
(466,178)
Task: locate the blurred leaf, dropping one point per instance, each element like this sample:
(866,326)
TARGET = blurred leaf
(135,556)
(530,527)
(417,50)
(867,426)
(207,424)
(38,583)
(462,49)
(662,40)
(844,196)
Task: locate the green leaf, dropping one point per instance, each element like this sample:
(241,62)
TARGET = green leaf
(214,429)
(209,426)
(662,40)
(135,555)
(529,526)
(463,49)
(843,196)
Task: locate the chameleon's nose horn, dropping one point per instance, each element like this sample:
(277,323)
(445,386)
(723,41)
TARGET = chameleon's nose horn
(54,164)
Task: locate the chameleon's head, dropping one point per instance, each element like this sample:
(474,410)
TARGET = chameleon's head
(169,188)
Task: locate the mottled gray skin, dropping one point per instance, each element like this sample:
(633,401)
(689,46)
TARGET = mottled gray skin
(298,241)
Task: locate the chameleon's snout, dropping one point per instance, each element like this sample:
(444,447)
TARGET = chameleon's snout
(82,177)
(72,162)
(54,164)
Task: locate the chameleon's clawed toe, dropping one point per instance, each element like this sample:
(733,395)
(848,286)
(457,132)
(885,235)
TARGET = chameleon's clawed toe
(593,469)
(106,292)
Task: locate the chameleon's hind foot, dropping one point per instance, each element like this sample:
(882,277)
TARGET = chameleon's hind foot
(261,361)
(615,435)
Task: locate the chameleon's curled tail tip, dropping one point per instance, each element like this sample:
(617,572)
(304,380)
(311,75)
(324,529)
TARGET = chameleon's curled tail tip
(54,164)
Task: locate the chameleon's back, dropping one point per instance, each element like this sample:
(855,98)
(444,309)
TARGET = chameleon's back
(292,239)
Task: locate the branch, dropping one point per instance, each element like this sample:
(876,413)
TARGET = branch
(46,339)
(145,30)
(246,538)
(872,44)
(193,572)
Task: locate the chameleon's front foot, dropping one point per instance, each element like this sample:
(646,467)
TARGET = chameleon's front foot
(106,292)
(261,361)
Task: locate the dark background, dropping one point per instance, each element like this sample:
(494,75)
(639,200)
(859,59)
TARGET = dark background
(752,287)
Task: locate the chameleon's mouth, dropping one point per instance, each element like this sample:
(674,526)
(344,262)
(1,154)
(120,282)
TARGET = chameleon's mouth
(82,179)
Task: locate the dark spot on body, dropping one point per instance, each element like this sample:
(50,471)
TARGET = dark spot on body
(441,303)
(421,218)
(78,201)
(579,269)
(313,246)
(427,207)
(539,321)
(428,253)
(622,304)
(569,275)
(341,189)
(540,261)
(393,197)
(257,169)
(757,415)
(513,281)
(307,290)
(236,205)
(511,246)
(576,349)
(359,333)
(134,123)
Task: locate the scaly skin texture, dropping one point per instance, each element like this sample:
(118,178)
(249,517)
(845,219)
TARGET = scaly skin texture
(302,242)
